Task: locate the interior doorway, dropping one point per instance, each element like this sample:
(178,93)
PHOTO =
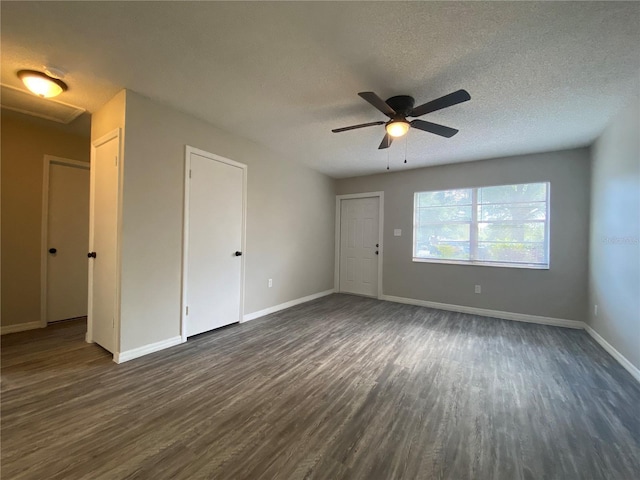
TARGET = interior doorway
(214,239)
(104,234)
(359,227)
(65,238)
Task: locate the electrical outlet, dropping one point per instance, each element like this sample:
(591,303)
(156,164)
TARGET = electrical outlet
(478,289)
(595,310)
(270,282)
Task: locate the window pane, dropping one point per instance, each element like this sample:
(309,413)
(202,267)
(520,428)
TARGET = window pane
(516,211)
(499,232)
(444,214)
(446,241)
(512,252)
(506,223)
(444,198)
(526,192)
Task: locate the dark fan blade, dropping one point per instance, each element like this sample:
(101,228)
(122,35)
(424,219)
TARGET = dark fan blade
(386,142)
(353,127)
(434,128)
(440,103)
(377,102)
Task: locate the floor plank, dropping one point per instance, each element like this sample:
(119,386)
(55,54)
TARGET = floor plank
(343,387)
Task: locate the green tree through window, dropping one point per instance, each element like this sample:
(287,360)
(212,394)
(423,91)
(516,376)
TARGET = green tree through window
(502,225)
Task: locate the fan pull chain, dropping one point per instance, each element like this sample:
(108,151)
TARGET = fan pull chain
(406,140)
(387,159)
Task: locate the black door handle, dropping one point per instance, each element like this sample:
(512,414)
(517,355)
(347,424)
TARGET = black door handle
(377,245)
(376,252)
(53,250)
(237,254)
(91,255)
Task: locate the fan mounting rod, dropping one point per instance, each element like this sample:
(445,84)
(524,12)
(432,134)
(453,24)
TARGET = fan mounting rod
(402,104)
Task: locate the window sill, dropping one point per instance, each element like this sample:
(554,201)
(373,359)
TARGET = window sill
(482,264)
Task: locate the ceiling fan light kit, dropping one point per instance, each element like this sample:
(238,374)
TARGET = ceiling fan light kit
(42,84)
(400,107)
(397,128)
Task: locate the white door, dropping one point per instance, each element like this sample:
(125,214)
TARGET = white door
(104,222)
(214,211)
(67,241)
(359,240)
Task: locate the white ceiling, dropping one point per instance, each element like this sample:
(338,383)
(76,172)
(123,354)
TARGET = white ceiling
(542,75)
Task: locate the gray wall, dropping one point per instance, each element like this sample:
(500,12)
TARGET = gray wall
(614,260)
(290,224)
(560,292)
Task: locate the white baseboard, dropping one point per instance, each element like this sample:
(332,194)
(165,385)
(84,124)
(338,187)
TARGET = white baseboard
(518,317)
(622,360)
(145,350)
(282,306)
(20,327)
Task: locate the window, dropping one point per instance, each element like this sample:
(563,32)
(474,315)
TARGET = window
(507,225)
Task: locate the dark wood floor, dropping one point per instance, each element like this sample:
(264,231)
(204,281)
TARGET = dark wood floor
(339,388)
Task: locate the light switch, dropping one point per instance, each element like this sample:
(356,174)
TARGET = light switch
(397,232)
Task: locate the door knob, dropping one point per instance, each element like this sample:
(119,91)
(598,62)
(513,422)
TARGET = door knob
(91,255)
(376,252)
(377,245)
(53,250)
(237,254)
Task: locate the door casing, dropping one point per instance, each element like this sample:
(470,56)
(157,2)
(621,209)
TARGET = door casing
(339,198)
(185,230)
(94,146)
(44,230)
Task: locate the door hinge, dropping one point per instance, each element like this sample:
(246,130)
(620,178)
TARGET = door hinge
(187,309)
(116,160)
(189,173)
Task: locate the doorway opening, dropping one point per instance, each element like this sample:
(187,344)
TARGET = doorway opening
(359,248)
(215,204)
(64,239)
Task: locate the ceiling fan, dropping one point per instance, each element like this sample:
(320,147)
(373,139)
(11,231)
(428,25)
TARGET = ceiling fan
(400,107)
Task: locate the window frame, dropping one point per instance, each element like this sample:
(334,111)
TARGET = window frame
(473,230)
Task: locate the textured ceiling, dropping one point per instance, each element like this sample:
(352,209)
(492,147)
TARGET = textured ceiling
(542,75)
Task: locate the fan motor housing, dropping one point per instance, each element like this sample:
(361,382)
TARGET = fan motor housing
(402,104)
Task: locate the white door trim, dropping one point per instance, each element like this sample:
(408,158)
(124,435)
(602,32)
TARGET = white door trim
(94,145)
(185,230)
(44,229)
(339,198)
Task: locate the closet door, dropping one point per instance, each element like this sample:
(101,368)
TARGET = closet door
(215,230)
(67,239)
(105,164)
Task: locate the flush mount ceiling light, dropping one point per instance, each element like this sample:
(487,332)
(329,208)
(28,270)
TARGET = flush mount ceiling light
(397,128)
(42,84)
